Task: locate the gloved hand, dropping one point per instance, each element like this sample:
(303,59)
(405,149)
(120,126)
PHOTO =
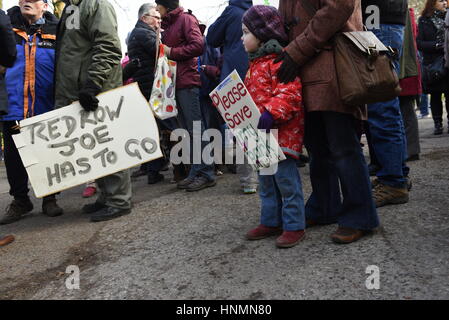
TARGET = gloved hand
(87,96)
(266,121)
(289,69)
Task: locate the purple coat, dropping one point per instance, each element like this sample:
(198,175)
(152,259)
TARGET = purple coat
(182,34)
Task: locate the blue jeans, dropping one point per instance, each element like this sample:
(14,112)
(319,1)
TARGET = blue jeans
(282,198)
(336,159)
(386,126)
(190,111)
(424,105)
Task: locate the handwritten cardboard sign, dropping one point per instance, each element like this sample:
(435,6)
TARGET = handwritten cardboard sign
(241,114)
(69,146)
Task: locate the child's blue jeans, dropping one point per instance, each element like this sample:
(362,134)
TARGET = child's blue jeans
(282,198)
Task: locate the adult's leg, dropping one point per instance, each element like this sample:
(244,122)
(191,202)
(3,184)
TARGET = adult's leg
(115,190)
(424,105)
(15,170)
(346,156)
(436,104)
(411,125)
(188,100)
(386,125)
(324,204)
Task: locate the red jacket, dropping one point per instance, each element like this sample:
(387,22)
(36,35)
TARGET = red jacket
(283,101)
(183,35)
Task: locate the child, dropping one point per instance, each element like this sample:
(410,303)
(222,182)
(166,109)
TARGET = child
(280,105)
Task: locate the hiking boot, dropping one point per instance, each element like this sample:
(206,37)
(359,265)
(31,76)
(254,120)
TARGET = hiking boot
(262,232)
(109,213)
(348,235)
(50,208)
(290,239)
(155,177)
(384,195)
(16,210)
(4,240)
(93,207)
(185,183)
(200,183)
(375,182)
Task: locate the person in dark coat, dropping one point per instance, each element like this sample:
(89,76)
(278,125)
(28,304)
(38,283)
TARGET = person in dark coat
(226,32)
(210,64)
(142,49)
(30,87)
(143,44)
(331,126)
(183,43)
(7,58)
(431,44)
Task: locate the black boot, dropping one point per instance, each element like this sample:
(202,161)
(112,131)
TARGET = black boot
(50,208)
(438,127)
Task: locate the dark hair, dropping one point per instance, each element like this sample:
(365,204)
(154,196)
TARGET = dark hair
(429,8)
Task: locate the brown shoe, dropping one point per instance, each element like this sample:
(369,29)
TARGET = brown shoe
(6,240)
(384,195)
(290,239)
(347,235)
(262,232)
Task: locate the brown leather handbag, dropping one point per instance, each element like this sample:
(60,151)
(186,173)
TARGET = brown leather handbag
(365,71)
(364,65)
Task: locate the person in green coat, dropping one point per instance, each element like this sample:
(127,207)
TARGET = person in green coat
(88,55)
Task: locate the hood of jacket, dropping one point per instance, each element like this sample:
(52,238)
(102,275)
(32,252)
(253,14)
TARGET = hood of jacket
(244,4)
(171,17)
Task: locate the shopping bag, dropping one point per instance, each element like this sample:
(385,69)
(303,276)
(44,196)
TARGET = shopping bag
(162,100)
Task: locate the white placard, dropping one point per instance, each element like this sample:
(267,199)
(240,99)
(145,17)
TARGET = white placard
(68,146)
(241,114)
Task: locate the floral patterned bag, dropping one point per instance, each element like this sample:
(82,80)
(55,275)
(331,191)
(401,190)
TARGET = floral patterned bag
(162,100)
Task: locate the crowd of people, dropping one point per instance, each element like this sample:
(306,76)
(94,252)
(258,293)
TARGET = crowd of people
(286,58)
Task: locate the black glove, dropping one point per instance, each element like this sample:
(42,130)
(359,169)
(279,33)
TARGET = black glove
(87,95)
(289,69)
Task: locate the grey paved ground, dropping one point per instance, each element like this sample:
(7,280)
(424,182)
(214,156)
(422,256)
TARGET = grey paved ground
(177,245)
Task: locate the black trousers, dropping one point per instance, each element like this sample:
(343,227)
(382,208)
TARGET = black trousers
(338,173)
(436,104)
(17,175)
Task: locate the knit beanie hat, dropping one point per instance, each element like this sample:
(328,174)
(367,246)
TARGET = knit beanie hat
(265,23)
(169,4)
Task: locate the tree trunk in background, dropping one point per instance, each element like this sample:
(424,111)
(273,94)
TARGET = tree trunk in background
(1,4)
(58,6)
